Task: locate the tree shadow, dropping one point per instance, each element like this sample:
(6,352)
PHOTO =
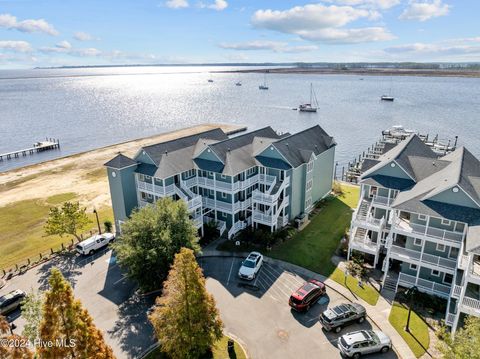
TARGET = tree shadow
(67,263)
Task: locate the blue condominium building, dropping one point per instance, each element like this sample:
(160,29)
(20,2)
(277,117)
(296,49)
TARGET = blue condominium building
(259,179)
(418,219)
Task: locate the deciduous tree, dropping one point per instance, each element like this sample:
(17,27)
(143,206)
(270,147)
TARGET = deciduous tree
(68,219)
(186,320)
(68,326)
(12,346)
(151,238)
(465,344)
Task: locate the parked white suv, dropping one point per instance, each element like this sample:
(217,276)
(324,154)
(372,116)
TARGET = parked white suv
(356,344)
(250,266)
(90,245)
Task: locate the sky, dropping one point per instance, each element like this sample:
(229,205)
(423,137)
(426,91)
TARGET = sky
(93,32)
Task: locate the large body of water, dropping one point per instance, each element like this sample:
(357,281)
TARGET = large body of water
(91,108)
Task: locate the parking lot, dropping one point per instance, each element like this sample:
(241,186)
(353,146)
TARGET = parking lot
(110,299)
(258,313)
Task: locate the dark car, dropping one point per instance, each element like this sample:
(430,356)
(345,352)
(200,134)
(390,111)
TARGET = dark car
(11,301)
(307,295)
(342,315)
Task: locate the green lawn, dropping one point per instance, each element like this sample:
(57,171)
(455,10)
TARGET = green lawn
(21,229)
(313,247)
(366,292)
(418,339)
(219,351)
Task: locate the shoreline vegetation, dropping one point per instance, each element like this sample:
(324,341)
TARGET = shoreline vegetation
(362,71)
(27,193)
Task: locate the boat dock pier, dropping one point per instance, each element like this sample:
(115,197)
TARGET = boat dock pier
(48,144)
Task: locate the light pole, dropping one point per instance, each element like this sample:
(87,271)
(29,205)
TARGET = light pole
(98,222)
(410,293)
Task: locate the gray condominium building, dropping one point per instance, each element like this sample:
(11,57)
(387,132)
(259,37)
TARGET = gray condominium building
(258,179)
(418,219)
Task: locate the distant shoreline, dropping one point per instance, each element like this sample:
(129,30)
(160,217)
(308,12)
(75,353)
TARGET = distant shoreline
(366,72)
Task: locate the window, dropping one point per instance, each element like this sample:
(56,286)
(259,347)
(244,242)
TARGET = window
(309,166)
(149,196)
(190,173)
(446,222)
(212,192)
(413,266)
(447,278)
(435,273)
(309,185)
(453,252)
(422,217)
(141,177)
(210,173)
(143,195)
(224,195)
(147,178)
(417,242)
(223,176)
(440,247)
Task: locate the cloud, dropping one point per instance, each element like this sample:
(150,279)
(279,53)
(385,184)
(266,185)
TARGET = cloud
(64,47)
(377,4)
(218,5)
(466,49)
(30,25)
(317,22)
(177,4)
(424,10)
(83,36)
(275,46)
(16,46)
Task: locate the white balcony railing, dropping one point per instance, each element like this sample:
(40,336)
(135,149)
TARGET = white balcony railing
(229,186)
(439,261)
(456,291)
(237,226)
(382,200)
(270,199)
(405,226)
(424,285)
(450,319)
(471,305)
(402,253)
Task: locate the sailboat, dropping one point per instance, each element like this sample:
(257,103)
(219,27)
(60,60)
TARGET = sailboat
(264,86)
(238,83)
(312,105)
(388,97)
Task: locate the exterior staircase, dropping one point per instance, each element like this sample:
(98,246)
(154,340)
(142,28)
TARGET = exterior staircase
(390,285)
(363,210)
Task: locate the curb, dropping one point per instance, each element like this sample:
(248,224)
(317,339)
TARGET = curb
(236,255)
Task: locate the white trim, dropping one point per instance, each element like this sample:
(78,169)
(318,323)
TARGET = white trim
(435,275)
(403,169)
(415,242)
(422,217)
(224,195)
(478,204)
(446,222)
(121,168)
(273,144)
(441,245)
(413,266)
(146,153)
(209,150)
(149,196)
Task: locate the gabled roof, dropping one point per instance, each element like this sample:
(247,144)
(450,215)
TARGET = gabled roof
(156,151)
(221,148)
(120,161)
(298,148)
(405,154)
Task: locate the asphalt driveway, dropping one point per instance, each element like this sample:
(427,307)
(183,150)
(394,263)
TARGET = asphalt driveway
(110,299)
(258,314)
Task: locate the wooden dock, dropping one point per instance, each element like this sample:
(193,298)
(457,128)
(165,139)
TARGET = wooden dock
(48,144)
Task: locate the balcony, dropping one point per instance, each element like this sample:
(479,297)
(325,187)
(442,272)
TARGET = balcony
(456,291)
(427,286)
(382,201)
(161,191)
(362,242)
(229,186)
(413,229)
(471,306)
(425,259)
(227,206)
(270,199)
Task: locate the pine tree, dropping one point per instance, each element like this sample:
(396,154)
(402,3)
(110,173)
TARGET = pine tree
(186,321)
(12,351)
(69,326)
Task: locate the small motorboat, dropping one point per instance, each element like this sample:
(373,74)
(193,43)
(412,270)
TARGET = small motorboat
(387,98)
(264,85)
(238,83)
(210,80)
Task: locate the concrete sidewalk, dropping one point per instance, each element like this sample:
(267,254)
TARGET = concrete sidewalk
(378,313)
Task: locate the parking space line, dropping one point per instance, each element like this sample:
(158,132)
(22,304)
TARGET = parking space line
(278,287)
(280,281)
(230,274)
(270,289)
